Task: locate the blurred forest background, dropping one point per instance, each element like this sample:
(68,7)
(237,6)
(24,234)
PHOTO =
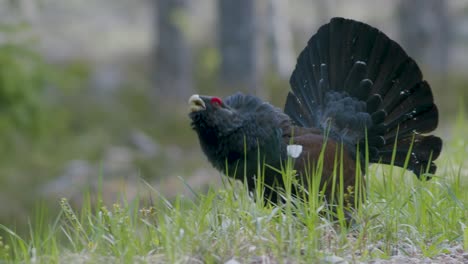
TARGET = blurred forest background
(98,89)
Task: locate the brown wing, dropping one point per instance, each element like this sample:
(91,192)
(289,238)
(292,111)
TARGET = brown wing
(312,142)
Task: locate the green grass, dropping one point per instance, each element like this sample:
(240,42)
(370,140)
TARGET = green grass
(400,215)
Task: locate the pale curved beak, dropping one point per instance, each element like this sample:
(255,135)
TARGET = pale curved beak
(196,103)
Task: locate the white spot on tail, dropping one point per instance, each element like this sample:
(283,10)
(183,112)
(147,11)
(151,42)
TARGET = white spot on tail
(294,151)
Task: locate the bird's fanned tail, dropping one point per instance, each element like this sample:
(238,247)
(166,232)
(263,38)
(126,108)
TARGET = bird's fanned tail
(351,78)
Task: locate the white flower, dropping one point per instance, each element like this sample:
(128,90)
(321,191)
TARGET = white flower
(294,151)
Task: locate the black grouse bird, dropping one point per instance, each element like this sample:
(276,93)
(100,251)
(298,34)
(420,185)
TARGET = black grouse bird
(352,88)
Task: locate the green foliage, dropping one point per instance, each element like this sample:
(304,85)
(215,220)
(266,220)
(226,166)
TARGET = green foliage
(208,65)
(30,86)
(35,120)
(4,250)
(23,78)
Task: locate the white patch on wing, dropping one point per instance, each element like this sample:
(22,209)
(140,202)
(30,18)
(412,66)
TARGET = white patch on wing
(294,151)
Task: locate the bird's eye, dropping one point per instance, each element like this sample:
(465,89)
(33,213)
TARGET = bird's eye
(216,101)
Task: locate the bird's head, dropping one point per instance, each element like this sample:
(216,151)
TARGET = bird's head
(211,114)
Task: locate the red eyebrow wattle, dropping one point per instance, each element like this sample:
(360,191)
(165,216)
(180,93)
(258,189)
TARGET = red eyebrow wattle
(216,100)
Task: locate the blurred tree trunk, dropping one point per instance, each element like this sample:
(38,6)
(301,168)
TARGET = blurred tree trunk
(173,53)
(425,30)
(239,43)
(27,9)
(323,8)
(282,52)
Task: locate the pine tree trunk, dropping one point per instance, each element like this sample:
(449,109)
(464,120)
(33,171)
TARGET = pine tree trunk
(282,52)
(239,41)
(173,53)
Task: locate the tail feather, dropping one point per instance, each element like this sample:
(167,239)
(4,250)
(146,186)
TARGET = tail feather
(419,168)
(373,103)
(303,95)
(321,43)
(409,125)
(298,113)
(402,85)
(357,77)
(356,82)
(421,145)
(421,151)
(405,102)
(389,66)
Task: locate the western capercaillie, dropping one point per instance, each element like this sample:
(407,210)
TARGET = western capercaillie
(352,88)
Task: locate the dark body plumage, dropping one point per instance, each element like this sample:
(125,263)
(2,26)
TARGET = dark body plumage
(351,85)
